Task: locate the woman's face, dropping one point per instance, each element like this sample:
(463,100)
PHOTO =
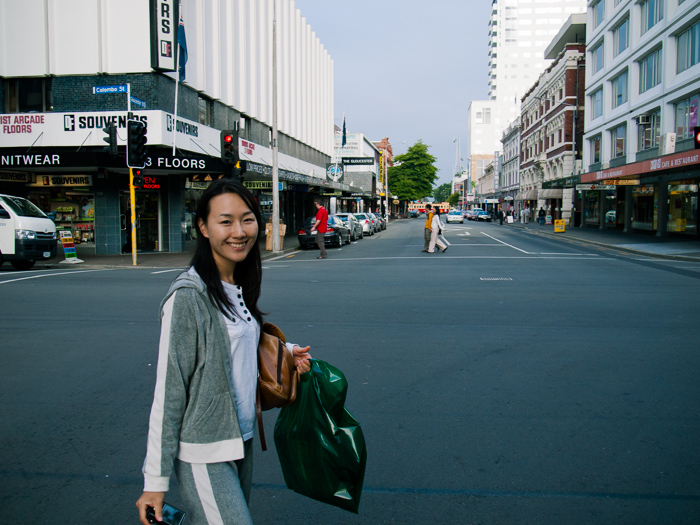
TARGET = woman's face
(231,228)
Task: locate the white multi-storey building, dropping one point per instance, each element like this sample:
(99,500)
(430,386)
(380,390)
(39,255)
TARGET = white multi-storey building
(642,94)
(65,68)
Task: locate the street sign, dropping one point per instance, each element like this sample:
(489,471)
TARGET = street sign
(101,90)
(138,102)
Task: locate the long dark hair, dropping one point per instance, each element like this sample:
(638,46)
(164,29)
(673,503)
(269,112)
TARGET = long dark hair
(247,274)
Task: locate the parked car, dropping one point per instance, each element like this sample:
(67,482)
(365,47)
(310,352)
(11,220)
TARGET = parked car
(337,233)
(366,222)
(483,216)
(455,216)
(472,213)
(413,214)
(353,225)
(379,221)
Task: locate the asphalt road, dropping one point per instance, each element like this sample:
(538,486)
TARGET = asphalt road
(512,379)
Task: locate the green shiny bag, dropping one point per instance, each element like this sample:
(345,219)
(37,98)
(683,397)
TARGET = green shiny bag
(320,445)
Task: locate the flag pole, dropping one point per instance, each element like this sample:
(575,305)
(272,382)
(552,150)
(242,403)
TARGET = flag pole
(177,72)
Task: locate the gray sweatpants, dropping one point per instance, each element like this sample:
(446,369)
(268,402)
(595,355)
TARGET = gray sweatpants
(217,493)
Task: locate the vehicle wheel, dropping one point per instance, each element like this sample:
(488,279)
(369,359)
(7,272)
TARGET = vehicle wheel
(23,265)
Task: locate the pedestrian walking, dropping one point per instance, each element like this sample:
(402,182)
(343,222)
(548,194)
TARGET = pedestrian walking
(320,228)
(203,414)
(500,217)
(540,216)
(436,228)
(427,230)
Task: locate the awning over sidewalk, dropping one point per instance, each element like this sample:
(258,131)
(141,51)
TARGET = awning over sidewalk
(556,193)
(530,195)
(519,196)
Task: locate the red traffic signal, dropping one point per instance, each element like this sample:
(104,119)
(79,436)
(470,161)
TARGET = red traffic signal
(229,147)
(697,137)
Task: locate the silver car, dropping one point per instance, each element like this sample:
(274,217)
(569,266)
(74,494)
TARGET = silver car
(353,225)
(366,222)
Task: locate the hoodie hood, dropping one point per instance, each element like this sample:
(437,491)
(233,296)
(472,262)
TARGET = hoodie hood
(188,279)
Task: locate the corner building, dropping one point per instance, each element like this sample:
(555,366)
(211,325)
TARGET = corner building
(641,171)
(64,71)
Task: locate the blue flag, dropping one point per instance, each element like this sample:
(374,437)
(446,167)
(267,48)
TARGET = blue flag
(345,134)
(182,44)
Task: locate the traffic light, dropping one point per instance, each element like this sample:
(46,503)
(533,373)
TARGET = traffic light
(135,144)
(229,147)
(138,179)
(696,136)
(110,139)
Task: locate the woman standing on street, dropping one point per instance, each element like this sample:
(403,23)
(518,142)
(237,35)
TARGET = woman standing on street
(203,415)
(436,228)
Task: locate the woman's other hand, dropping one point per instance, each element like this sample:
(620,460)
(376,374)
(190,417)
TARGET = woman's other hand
(301,358)
(150,499)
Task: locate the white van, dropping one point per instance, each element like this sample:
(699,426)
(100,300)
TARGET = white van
(27,235)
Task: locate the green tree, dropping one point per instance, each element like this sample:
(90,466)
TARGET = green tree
(413,174)
(453,199)
(442,192)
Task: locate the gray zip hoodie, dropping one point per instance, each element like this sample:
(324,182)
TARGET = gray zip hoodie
(193,416)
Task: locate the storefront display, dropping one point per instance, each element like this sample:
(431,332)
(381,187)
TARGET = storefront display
(683,207)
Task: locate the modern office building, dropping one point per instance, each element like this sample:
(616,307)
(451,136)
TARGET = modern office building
(68,69)
(642,94)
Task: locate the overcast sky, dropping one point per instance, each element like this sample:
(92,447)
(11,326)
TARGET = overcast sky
(406,69)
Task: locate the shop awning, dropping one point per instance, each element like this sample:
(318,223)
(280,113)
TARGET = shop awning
(519,196)
(530,195)
(555,193)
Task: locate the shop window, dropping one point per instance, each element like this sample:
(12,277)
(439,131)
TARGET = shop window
(618,141)
(648,131)
(688,48)
(682,207)
(28,95)
(650,71)
(686,117)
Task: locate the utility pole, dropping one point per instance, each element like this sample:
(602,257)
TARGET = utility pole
(275,166)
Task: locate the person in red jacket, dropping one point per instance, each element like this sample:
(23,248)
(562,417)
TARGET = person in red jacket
(320,227)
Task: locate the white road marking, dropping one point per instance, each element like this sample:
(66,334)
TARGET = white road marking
(69,272)
(505,243)
(171,270)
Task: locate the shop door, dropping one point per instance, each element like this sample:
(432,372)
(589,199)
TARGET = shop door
(147,222)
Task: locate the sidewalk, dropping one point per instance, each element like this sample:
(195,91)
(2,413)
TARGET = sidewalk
(643,243)
(86,253)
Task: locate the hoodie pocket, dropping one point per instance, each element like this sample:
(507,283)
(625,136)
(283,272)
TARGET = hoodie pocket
(212,423)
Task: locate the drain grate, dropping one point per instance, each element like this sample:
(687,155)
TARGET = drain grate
(496,279)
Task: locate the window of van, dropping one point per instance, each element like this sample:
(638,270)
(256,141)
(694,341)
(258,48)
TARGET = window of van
(23,207)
